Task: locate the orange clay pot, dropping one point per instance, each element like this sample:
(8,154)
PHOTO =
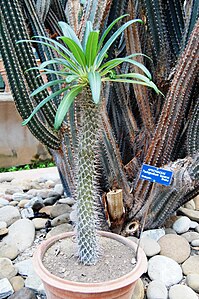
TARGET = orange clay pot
(58,288)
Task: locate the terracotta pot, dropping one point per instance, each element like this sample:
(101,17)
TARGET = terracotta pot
(58,288)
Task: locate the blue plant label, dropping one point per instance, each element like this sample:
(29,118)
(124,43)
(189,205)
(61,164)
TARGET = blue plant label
(156,175)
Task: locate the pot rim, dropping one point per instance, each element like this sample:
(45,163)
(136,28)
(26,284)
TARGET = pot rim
(97,287)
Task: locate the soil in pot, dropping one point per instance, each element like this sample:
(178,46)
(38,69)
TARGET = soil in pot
(116,260)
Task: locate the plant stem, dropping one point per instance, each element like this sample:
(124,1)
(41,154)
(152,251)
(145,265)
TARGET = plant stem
(86,231)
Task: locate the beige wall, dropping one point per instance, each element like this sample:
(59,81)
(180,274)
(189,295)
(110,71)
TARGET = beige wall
(17,145)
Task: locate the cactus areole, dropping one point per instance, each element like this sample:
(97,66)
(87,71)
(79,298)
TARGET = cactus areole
(82,70)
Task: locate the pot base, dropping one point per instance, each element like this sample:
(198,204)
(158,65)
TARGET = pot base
(58,288)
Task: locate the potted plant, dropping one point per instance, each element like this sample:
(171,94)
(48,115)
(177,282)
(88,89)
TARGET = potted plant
(83,68)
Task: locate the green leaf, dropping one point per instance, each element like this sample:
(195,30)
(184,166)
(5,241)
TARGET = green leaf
(111,40)
(69,32)
(109,29)
(139,77)
(69,56)
(58,73)
(88,30)
(91,48)
(117,61)
(41,88)
(141,66)
(65,105)
(65,54)
(42,103)
(95,85)
(149,84)
(71,78)
(76,50)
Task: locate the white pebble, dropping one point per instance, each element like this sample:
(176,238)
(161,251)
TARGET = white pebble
(182,225)
(164,269)
(157,290)
(195,243)
(181,292)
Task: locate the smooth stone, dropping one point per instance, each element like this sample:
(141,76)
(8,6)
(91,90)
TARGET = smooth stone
(64,218)
(59,189)
(27,213)
(35,185)
(24,183)
(196,201)
(182,292)
(21,196)
(3,231)
(191,265)
(157,290)
(8,251)
(192,280)
(138,292)
(192,214)
(24,293)
(190,205)
(195,243)
(33,282)
(41,179)
(13,189)
(7,270)
(62,228)
(164,269)
(36,203)
(17,283)
(49,201)
(150,246)
(46,210)
(4,202)
(67,200)
(23,202)
(14,203)
(60,209)
(50,184)
(182,225)
(193,224)
(154,234)
(5,288)
(190,236)
(9,214)
(25,268)
(32,192)
(175,247)
(6,178)
(45,193)
(197,228)
(21,234)
(39,223)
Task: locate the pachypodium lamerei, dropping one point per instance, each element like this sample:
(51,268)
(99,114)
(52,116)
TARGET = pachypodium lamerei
(83,70)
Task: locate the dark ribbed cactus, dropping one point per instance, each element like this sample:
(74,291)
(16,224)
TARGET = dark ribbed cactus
(137,125)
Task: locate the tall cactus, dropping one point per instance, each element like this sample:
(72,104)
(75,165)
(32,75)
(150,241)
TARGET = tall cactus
(86,174)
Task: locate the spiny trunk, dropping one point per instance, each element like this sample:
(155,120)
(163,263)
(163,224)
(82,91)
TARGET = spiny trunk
(86,231)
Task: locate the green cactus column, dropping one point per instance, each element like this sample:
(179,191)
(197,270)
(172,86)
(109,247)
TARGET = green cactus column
(86,231)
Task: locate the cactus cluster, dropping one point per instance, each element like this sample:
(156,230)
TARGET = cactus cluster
(137,125)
